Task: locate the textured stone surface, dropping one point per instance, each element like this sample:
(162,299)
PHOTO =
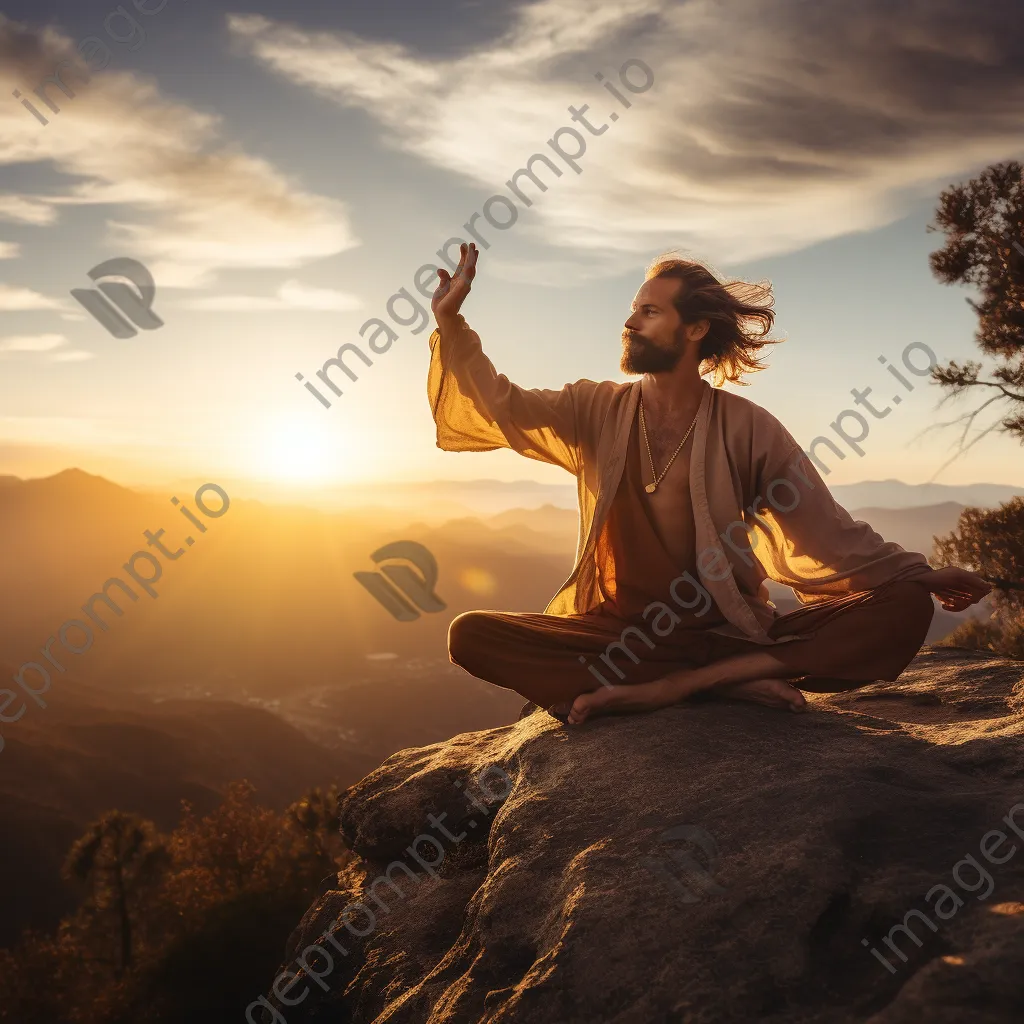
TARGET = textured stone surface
(713,862)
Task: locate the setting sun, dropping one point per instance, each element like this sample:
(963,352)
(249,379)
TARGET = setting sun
(293,452)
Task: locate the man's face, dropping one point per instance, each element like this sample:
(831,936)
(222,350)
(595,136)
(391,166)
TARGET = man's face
(653,340)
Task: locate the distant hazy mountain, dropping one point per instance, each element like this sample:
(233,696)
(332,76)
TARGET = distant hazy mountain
(434,500)
(481,496)
(912,528)
(453,498)
(550,518)
(437,500)
(896,494)
(263,605)
(92,750)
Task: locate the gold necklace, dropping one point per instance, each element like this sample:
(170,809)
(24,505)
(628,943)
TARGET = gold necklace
(651,488)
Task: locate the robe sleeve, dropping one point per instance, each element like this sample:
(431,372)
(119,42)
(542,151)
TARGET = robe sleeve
(477,409)
(808,541)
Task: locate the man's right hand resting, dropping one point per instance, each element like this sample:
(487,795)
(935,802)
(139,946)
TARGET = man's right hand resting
(452,289)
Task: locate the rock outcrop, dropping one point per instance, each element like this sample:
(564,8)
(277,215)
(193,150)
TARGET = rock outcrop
(705,863)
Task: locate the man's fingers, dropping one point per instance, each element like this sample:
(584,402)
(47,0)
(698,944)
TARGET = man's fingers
(452,289)
(467,263)
(464,251)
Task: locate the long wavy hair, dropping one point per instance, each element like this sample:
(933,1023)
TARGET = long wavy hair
(740,312)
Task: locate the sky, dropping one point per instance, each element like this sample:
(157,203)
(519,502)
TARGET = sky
(284,170)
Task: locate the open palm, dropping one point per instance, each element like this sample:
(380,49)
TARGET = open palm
(452,289)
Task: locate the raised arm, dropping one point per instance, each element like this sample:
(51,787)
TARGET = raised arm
(477,409)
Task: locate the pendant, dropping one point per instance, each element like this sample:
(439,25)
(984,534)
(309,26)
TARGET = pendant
(650,488)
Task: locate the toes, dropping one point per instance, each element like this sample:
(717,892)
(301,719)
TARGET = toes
(580,710)
(795,699)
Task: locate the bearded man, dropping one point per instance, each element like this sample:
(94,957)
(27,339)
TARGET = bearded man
(690,498)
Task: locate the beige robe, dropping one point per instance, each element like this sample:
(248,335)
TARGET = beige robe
(761,509)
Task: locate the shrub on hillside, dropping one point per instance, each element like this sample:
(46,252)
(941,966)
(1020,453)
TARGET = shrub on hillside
(181,927)
(990,542)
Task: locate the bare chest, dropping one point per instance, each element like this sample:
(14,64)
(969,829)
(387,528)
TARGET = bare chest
(669,505)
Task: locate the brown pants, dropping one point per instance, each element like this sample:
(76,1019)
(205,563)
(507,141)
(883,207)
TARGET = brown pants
(852,641)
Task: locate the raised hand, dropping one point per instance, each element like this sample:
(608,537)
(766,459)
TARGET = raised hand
(452,289)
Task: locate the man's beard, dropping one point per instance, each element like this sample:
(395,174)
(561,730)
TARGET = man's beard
(641,355)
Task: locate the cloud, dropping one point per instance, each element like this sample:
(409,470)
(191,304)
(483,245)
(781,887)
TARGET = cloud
(190,202)
(55,430)
(27,209)
(31,342)
(73,355)
(44,343)
(292,295)
(765,130)
(13,298)
(9,250)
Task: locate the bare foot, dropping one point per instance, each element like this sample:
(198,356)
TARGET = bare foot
(775,693)
(560,710)
(621,700)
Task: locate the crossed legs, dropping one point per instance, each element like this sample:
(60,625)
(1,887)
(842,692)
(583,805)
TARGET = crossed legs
(553,660)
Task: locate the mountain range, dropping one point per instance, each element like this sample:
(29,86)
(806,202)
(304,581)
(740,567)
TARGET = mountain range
(445,499)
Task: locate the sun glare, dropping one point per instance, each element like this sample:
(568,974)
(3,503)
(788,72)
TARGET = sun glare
(478,581)
(291,452)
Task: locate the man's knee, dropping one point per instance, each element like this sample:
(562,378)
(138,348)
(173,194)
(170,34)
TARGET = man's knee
(465,637)
(913,599)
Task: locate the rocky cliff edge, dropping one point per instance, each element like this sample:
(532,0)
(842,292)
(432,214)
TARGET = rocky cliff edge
(863,861)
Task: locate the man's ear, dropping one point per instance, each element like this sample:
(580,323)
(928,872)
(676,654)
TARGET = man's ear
(700,330)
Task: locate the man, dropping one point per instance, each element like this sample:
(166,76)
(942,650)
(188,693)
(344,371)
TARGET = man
(690,497)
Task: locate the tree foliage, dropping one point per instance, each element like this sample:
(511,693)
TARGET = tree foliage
(982,220)
(181,927)
(990,542)
(119,857)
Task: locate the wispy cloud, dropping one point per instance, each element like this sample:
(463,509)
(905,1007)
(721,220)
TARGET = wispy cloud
(56,430)
(31,342)
(51,346)
(766,130)
(13,298)
(27,209)
(9,250)
(292,295)
(72,355)
(190,201)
